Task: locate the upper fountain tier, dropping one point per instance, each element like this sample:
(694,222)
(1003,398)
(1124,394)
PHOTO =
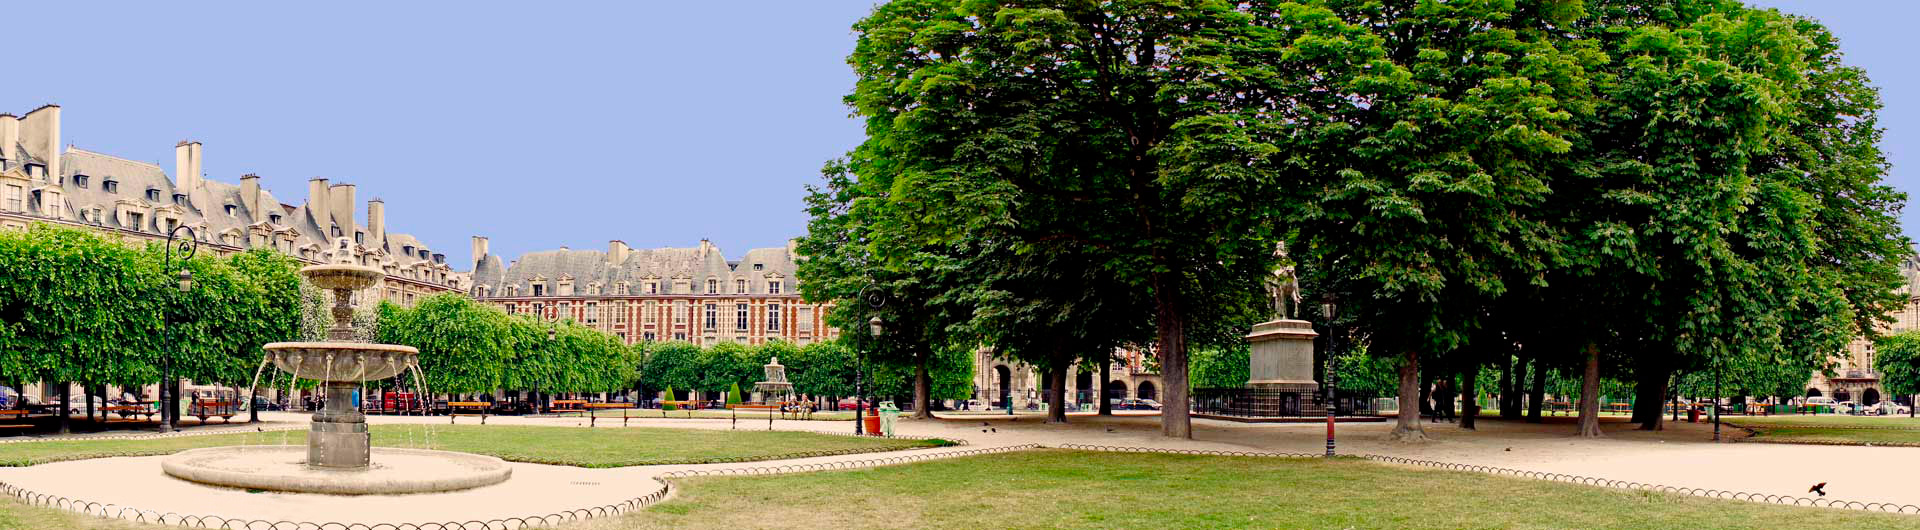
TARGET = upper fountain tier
(341,276)
(344,362)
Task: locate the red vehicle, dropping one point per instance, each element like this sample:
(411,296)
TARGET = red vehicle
(392,402)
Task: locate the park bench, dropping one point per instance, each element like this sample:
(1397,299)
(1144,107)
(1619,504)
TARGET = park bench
(208,408)
(737,407)
(454,408)
(593,417)
(688,405)
(127,412)
(569,406)
(16,415)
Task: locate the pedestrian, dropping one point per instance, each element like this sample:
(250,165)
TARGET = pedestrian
(1443,400)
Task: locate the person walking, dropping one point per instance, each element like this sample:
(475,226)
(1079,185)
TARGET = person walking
(1443,400)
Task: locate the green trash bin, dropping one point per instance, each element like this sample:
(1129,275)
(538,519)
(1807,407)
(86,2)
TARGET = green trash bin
(888,414)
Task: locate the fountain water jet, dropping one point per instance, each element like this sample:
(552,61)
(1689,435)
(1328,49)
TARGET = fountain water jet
(339,449)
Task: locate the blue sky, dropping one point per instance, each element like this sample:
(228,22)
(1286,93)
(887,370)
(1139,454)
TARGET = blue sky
(657,123)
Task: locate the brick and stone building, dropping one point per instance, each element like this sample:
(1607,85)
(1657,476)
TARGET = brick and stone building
(133,201)
(1854,378)
(693,294)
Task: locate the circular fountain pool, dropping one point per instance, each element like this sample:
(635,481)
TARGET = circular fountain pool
(284,468)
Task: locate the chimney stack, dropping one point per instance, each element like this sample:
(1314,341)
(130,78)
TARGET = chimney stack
(317,202)
(40,135)
(616,252)
(479,249)
(376,222)
(706,247)
(9,137)
(186,167)
(340,197)
(250,196)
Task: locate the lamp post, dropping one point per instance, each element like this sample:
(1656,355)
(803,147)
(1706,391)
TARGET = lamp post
(1716,400)
(876,328)
(169,410)
(1327,308)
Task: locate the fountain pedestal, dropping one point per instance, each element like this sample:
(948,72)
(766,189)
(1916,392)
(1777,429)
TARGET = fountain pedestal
(338,437)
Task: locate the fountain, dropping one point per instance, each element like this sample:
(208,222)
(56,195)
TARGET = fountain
(338,456)
(776,385)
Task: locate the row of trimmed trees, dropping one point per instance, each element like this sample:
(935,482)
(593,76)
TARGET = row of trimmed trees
(1597,189)
(467,347)
(77,308)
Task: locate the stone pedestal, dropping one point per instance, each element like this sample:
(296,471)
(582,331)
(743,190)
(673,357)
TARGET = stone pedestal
(338,437)
(1280,367)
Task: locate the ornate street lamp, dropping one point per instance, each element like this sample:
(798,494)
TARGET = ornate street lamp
(169,411)
(1328,304)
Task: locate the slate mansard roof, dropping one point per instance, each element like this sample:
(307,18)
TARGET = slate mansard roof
(668,266)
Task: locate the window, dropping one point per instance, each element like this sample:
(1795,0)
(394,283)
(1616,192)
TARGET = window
(179,198)
(739,287)
(622,335)
(359,238)
(97,216)
(16,198)
(539,310)
(337,232)
(679,313)
(713,286)
(153,194)
(680,336)
(758,266)
(275,218)
(804,319)
(648,336)
(539,290)
(648,314)
(229,210)
(78,180)
(408,249)
(740,317)
(773,286)
(565,311)
(593,314)
(653,287)
(110,185)
(683,286)
(620,312)
(713,316)
(510,309)
(138,221)
(773,317)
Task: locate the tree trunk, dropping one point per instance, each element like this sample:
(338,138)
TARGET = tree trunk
(66,412)
(1172,345)
(1406,427)
(1650,392)
(88,392)
(1539,394)
(922,390)
(1106,372)
(1590,394)
(1508,406)
(1469,394)
(1057,399)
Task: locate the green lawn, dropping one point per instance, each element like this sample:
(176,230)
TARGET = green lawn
(1070,489)
(604,447)
(761,415)
(1826,420)
(1830,428)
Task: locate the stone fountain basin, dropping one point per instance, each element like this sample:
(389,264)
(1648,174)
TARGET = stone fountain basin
(342,362)
(283,468)
(341,276)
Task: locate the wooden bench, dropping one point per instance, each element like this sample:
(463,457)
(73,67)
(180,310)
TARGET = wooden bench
(226,410)
(593,417)
(17,414)
(737,407)
(454,408)
(569,406)
(127,412)
(687,405)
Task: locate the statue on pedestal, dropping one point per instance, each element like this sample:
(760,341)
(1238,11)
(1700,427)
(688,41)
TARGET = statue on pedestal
(1284,286)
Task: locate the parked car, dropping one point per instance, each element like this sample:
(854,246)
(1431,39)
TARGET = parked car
(1847,407)
(847,404)
(975,404)
(1134,404)
(1886,407)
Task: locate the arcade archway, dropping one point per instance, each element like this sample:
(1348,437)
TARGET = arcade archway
(1147,391)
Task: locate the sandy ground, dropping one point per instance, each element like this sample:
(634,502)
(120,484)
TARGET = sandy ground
(1682,455)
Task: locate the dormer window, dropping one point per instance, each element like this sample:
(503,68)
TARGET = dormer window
(424,254)
(758,266)
(539,290)
(179,198)
(110,185)
(773,287)
(408,250)
(739,287)
(359,238)
(275,218)
(153,194)
(230,210)
(713,286)
(78,180)
(337,232)
(36,170)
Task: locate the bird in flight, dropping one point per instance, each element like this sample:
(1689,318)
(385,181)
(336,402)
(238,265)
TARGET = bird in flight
(1818,488)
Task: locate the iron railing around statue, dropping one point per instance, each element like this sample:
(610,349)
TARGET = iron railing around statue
(1260,402)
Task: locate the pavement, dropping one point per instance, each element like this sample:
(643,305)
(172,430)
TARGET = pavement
(1681,455)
